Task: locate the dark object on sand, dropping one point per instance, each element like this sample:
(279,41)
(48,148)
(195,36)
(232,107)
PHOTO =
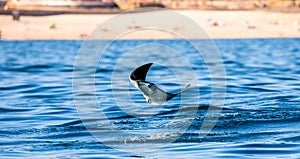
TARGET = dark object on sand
(16,15)
(157,5)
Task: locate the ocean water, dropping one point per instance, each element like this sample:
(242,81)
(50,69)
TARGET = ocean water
(260,117)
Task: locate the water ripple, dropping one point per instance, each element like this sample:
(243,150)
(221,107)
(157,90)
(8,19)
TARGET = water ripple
(260,118)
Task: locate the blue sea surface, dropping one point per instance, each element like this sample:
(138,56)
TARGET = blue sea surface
(260,117)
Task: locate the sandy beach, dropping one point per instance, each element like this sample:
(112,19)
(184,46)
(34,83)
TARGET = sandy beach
(217,24)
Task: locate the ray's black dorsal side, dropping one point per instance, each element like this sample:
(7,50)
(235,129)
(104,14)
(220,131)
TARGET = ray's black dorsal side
(140,72)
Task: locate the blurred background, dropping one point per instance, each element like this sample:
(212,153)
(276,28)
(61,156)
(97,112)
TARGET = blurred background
(73,5)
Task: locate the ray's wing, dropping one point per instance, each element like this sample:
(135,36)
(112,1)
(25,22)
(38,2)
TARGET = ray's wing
(172,95)
(140,72)
(151,92)
(160,96)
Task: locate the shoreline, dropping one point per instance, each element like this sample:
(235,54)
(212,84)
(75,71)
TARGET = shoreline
(217,24)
